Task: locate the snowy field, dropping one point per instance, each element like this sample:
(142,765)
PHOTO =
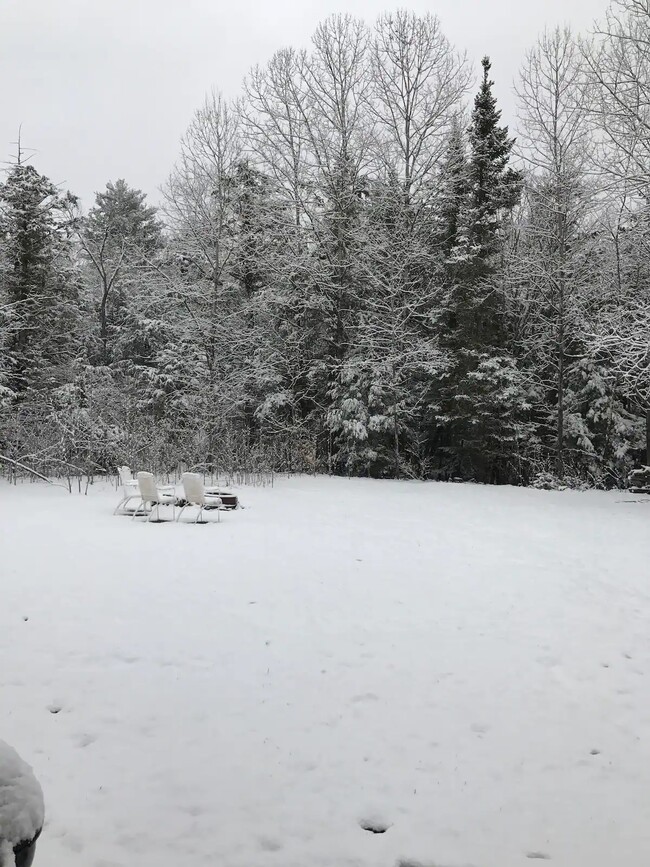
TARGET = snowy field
(468,667)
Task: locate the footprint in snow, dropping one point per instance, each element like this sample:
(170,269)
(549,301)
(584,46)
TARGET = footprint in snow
(269,844)
(367,696)
(374,825)
(417,864)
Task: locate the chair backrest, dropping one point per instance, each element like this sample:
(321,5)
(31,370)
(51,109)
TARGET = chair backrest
(193,488)
(125,474)
(147,486)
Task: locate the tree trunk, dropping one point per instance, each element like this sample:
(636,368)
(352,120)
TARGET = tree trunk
(562,249)
(103,326)
(559,457)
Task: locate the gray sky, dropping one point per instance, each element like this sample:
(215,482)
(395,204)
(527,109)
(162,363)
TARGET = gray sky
(105,88)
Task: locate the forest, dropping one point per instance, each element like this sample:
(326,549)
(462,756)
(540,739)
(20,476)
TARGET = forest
(356,268)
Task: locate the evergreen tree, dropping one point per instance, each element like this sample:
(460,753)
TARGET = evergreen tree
(255,216)
(122,216)
(39,282)
(494,186)
(479,401)
(452,191)
(379,400)
(493,189)
(119,237)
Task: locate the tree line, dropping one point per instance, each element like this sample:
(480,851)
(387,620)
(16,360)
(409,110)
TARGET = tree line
(356,269)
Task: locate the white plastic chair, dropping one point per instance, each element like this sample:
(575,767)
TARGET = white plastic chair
(196,495)
(151,495)
(129,488)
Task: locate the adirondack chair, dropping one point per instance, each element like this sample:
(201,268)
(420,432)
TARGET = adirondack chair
(196,495)
(154,497)
(129,486)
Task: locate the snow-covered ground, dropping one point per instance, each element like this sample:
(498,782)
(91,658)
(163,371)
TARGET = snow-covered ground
(466,666)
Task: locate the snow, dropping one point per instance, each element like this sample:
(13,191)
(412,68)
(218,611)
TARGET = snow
(462,668)
(21,798)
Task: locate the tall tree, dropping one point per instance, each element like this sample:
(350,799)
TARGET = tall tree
(452,188)
(40,285)
(418,81)
(554,142)
(617,59)
(480,396)
(119,237)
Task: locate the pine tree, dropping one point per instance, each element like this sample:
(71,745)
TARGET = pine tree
(493,190)
(452,191)
(393,353)
(119,237)
(479,400)
(40,286)
(122,214)
(495,187)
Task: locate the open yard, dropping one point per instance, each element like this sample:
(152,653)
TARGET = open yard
(465,667)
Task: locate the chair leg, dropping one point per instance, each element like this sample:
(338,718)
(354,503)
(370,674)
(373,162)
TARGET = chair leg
(137,508)
(123,503)
(182,509)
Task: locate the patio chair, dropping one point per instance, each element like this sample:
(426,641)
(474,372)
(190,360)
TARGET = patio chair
(129,488)
(154,497)
(196,495)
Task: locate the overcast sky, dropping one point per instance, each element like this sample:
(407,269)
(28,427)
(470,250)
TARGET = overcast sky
(105,88)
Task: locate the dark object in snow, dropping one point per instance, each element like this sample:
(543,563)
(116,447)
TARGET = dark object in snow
(374,827)
(638,482)
(228,502)
(24,852)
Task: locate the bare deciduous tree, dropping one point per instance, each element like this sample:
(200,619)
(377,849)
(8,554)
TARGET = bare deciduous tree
(618,63)
(554,143)
(418,82)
